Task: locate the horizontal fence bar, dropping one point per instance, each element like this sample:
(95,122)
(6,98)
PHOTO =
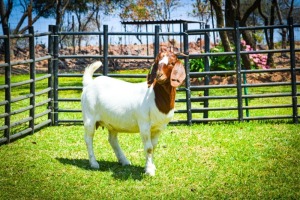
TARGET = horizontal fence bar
(69,99)
(43,102)
(267,95)
(196,110)
(44,91)
(69,88)
(109,57)
(20,134)
(110,75)
(269,117)
(198,31)
(3,127)
(2,103)
(3,87)
(70,121)
(22,121)
(21,83)
(68,110)
(43,77)
(2,115)
(46,112)
(21,110)
(20,98)
(43,58)
(21,62)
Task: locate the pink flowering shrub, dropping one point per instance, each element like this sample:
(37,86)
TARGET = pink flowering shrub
(258,60)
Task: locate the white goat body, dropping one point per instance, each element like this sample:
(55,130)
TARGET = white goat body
(126,107)
(121,106)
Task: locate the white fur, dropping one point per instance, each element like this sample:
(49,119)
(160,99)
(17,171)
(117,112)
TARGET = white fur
(164,60)
(121,107)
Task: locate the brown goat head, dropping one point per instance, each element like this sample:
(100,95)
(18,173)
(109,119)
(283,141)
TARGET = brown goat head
(166,68)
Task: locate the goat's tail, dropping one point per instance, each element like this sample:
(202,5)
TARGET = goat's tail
(89,71)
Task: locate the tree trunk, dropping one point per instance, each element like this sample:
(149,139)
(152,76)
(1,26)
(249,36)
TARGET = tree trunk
(270,60)
(217,5)
(231,14)
(284,31)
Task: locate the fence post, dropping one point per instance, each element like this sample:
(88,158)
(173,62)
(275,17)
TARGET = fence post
(293,69)
(238,70)
(105,50)
(156,41)
(187,69)
(55,71)
(8,83)
(206,69)
(50,71)
(32,77)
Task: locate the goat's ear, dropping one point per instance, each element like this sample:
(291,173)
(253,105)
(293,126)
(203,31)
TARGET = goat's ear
(178,74)
(152,74)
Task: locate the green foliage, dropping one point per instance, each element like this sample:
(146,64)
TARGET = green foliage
(217,63)
(222,63)
(197,65)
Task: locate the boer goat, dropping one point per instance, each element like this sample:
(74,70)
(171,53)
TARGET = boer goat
(120,106)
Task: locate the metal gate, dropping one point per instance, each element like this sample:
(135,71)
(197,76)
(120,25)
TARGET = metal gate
(196,103)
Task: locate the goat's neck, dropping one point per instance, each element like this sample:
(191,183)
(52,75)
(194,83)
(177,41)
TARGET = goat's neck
(164,97)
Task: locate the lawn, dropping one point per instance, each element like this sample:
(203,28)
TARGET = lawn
(215,161)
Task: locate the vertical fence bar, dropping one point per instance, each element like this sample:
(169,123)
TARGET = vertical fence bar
(293,69)
(156,41)
(8,83)
(238,70)
(187,69)
(50,71)
(206,69)
(105,50)
(32,77)
(55,71)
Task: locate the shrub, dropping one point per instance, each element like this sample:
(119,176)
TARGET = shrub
(217,63)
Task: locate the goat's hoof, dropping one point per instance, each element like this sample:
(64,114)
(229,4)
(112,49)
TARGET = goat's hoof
(125,163)
(150,170)
(95,165)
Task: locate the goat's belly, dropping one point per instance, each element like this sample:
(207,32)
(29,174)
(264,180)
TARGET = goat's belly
(118,125)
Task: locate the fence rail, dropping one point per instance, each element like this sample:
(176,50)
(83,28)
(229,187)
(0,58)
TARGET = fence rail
(198,103)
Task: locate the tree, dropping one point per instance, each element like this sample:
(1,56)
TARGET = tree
(148,10)
(41,9)
(217,6)
(201,10)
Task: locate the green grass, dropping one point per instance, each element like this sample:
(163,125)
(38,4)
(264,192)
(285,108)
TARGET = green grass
(217,161)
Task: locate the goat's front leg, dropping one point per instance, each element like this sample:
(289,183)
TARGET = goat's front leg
(149,150)
(89,137)
(114,143)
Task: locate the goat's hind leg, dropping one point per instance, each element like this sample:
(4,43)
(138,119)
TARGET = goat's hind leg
(114,143)
(89,137)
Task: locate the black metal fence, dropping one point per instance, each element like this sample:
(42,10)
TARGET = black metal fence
(239,100)
(23,113)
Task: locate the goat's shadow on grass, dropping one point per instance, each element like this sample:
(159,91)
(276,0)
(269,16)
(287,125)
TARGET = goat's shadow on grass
(118,171)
